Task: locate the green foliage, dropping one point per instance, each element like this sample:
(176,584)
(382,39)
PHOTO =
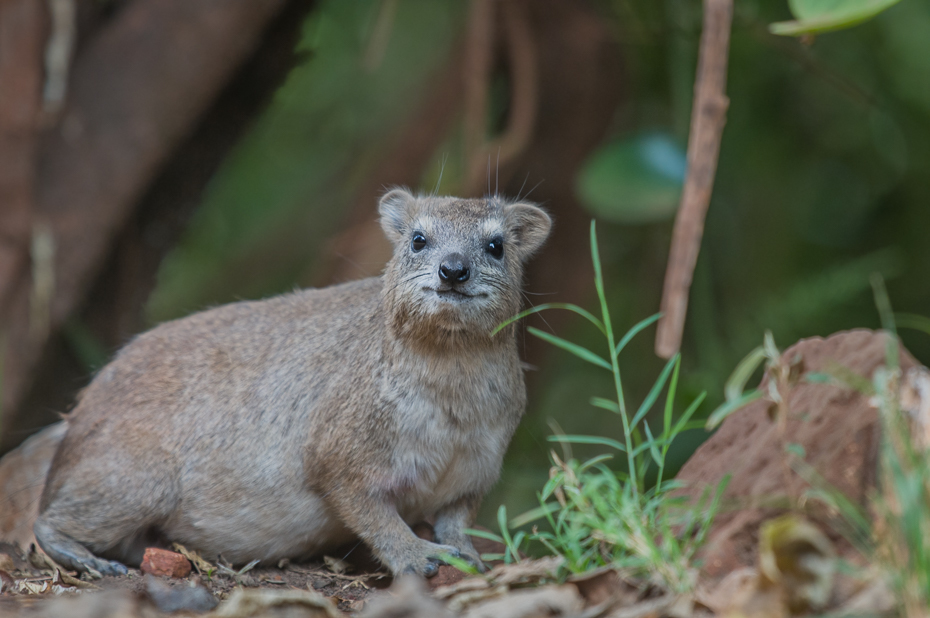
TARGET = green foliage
(288,183)
(634,180)
(598,516)
(816,16)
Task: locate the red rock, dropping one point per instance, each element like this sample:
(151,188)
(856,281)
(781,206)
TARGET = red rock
(163,562)
(835,425)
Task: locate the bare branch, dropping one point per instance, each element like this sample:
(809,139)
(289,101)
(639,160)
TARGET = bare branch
(708,117)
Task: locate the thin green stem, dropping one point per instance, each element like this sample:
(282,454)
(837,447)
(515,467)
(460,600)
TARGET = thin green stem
(618,385)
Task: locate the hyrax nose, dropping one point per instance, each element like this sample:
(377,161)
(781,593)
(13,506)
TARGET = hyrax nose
(454,268)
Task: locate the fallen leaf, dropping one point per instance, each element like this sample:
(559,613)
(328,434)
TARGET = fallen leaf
(603,584)
(797,557)
(525,571)
(336,565)
(736,585)
(466,585)
(74,582)
(562,600)
(196,559)
(461,601)
(248,603)
(407,597)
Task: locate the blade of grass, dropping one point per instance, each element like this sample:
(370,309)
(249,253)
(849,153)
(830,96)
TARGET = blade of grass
(606,404)
(639,326)
(653,395)
(682,424)
(736,383)
(589,440)
(615,368)
(913,321)
(484,534)
(728,408)
(568,306)
(574,348)
(533,515)
(887,317)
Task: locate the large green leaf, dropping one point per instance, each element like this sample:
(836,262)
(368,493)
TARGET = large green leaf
(634,180)
(815,16)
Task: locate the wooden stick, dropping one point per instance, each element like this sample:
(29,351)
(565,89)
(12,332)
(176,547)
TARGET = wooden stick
(708,117)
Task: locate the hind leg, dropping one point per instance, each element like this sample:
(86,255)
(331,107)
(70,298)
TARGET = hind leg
(70,554)
(95,508)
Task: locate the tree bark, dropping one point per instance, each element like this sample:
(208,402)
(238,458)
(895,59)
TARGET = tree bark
(136,91)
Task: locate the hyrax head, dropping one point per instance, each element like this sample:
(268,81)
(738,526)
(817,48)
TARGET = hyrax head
(458,263)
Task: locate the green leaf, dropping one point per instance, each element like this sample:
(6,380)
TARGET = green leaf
(606,404)
(682,423)
(589,440)
(570,307)
(650,399)
(728,408)
(913,321)
(594,461)
(651,441)
(462,565)
(736,384)
(634,180)
(574,348)
(817,16)
(818,377)
(635,331)
(484,534)
(796,449)
(533,515)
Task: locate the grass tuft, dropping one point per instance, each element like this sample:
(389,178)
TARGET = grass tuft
(598,516)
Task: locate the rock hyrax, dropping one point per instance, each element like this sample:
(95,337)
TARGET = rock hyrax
(283,427)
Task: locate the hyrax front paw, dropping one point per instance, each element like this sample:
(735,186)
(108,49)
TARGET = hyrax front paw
(466,551)
(421,558)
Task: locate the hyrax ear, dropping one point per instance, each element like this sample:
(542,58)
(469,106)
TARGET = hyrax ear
(529,227)
(394,210)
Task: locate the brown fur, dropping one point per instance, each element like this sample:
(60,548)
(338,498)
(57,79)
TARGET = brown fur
(279,428)
(22,477)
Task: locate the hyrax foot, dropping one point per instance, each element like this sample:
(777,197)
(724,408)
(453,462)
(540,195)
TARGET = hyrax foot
(422,558)
(72,555)
(466,551)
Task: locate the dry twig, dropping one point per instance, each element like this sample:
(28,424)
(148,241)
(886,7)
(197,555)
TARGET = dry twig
(708,117)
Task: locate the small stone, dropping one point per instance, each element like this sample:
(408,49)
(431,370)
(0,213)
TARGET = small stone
(163,562)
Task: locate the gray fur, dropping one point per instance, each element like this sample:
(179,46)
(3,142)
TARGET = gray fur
(283,427)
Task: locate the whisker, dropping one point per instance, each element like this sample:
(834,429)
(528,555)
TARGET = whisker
(522,186)
(533,189)
(497,173)
(442,168)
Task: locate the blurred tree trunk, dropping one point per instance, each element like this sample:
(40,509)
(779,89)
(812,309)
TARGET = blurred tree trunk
(136,91)
(22,30)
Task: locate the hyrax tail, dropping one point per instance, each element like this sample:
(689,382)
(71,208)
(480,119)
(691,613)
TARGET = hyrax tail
(22,479)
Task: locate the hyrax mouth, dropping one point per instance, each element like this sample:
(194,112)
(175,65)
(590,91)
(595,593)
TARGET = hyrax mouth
(453,295)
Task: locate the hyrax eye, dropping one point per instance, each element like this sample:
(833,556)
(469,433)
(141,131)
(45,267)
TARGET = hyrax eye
(418,242)
(495,247)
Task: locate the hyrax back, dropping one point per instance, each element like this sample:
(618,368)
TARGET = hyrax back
(279,428)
